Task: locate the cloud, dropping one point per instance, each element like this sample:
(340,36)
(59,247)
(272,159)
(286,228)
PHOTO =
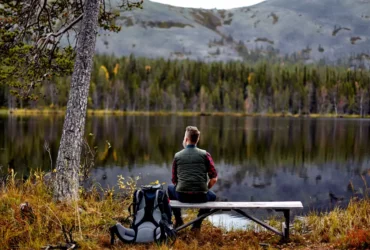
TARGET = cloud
(210,4)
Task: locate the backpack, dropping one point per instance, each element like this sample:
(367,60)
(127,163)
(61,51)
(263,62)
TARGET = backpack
(150,222)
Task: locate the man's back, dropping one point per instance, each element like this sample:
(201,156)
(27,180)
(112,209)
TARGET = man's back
(192,165)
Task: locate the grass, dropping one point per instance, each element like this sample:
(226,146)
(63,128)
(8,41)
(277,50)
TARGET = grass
(101,112)
(347,229)
(94,213)
(44,225)
(32,112)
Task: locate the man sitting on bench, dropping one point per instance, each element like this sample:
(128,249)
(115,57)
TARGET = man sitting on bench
(189,176)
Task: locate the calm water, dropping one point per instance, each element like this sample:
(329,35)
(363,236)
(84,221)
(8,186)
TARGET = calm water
(258,159)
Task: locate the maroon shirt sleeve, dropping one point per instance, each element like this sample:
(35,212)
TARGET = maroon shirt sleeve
(174,172)
(212,173)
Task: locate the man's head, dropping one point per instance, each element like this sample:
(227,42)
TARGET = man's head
(191,136)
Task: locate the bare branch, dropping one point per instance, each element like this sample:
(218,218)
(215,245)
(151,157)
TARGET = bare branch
(68,27)
(26,26)
(55,45)
(41,10)
(44,41)
(82,6)
(49,21)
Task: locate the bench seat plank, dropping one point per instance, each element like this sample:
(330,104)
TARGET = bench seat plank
(239,205)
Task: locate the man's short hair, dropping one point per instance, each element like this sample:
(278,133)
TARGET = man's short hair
(192,133)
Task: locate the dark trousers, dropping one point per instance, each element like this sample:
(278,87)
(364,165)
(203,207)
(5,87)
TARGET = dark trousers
(189,198)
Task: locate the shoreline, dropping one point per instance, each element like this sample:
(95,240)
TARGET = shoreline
(102,112)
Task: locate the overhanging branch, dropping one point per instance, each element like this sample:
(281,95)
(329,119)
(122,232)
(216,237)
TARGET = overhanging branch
(44,41)
(68,27)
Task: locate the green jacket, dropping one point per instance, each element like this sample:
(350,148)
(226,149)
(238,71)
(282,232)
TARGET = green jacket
(191,165)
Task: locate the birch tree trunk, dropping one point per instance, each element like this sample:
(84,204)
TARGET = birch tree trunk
(68,162)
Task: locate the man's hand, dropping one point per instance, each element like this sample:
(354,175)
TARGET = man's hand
(212,182)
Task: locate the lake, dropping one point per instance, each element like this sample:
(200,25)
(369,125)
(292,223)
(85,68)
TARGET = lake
(257,158)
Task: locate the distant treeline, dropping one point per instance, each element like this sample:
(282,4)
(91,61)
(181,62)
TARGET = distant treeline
(130,84)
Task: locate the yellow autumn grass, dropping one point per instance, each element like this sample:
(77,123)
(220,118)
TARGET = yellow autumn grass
(105,72)
(336,225)
(97,210)
(116,68)
(104,112)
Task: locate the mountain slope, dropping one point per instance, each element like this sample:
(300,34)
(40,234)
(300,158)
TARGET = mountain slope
(313,28)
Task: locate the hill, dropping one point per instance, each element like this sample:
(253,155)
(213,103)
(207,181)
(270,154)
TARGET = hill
(312,29)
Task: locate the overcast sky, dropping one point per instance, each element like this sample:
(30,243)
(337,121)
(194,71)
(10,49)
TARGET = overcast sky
(210,4)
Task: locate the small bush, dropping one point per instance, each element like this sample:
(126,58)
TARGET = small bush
(355,239)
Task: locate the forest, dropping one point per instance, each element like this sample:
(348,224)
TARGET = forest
(266,86)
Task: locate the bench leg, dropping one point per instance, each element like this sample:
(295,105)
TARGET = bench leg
(197,219)
(286,226)
(287,221)
(259,222)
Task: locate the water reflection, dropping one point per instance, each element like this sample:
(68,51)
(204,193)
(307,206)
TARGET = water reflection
(257,158)
(230,222)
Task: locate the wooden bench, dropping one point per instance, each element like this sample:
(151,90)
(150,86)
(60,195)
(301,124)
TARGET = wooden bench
(279,206)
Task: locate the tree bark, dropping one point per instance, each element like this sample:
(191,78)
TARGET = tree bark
(361,103)
(68,162)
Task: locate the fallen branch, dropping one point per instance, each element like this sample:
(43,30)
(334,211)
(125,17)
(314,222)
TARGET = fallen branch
(67,246)
(70,243)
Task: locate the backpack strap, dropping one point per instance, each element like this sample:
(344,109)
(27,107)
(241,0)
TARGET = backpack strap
(137,200)
(159,198)
(168,234)
(112,232)
(164,207)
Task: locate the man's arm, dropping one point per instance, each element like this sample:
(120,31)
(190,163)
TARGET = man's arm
(174,172)
(212,173)
(212,182)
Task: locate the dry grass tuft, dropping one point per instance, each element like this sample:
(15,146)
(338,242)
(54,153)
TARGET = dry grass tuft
(345,228)
(93,214)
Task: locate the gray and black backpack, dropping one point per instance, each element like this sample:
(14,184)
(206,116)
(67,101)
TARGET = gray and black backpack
(150,223)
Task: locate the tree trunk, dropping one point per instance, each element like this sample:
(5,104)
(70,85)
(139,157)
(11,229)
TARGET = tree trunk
(361,103)
(68,161)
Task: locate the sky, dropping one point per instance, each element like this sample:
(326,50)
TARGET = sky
(210,4)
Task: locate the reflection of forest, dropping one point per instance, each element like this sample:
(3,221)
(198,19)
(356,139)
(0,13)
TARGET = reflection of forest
(256,143)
